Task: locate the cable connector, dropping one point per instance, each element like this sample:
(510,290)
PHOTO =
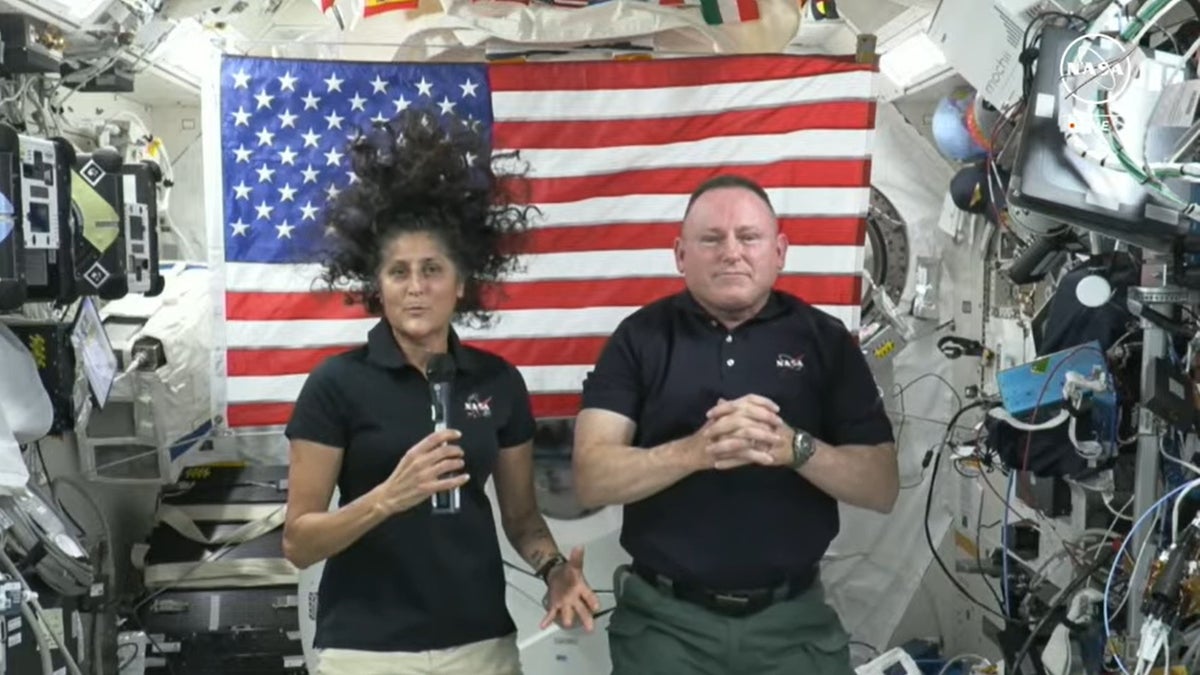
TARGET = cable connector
(1154,636)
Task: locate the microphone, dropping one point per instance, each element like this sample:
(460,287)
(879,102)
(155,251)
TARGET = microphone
(440,373)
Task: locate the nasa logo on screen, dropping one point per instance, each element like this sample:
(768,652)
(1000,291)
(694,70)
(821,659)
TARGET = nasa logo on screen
(1097,58)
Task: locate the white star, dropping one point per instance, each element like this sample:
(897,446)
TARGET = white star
(334,120)
(378,85)
(379,119)
(352,176)
(357,102)
(332,191)
(243,155)
(468,88)
(446,105)
(265,137)
(330,231)
(264,210)
(471,157)
(311,138)
(285,230)
(239,228)
(241,118)
(287,193)
(333,83)
(242,190)
(333,157)
(241,80)
(287,82)
(264,173)
(287,119)
(310,211)
(310,101)
(310,174)
(424,88)
(401,104)
(264,99)
(288,156)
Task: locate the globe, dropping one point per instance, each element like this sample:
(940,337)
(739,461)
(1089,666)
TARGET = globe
(950,132)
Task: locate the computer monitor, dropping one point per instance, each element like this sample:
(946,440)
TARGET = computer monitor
(1051,179)
(95,351)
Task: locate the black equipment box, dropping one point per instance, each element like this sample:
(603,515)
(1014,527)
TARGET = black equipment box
(97,210)
(50,344)
(240,630)
(246,651)
(190,611)
(12,233)
(49,239)
(30,46)
(141,227)
(168,547)
(19,643)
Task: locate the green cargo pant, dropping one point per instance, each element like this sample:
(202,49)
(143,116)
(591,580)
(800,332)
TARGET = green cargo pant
(653,633)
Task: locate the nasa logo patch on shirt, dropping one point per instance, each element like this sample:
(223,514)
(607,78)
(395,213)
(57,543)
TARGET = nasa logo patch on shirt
(478,408)
(790,362)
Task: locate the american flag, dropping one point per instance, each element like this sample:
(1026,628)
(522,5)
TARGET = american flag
(613,149)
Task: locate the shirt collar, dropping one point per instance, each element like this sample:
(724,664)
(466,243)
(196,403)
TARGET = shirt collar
(776,306)
(383,351)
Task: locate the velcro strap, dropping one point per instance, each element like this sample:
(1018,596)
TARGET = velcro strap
(262,519)
(242,573)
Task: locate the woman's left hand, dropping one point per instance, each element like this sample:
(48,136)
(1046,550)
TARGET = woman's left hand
(570,595)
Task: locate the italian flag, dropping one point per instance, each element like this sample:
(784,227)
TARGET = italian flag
(728,11)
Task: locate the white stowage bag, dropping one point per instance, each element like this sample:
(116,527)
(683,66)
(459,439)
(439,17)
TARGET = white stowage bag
(25,411)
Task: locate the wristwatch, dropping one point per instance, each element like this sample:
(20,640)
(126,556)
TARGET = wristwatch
(547,567)
(803,447)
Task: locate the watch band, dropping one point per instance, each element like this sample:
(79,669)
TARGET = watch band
(547,567)
(803,447)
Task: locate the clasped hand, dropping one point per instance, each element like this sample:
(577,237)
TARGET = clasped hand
(745,431)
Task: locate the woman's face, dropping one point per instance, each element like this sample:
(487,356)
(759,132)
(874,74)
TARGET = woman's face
(418,285)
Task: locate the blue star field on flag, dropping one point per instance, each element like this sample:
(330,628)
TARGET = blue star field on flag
(286,127)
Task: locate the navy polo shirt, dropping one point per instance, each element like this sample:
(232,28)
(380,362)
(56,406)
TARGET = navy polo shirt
(418,581)
(751,527)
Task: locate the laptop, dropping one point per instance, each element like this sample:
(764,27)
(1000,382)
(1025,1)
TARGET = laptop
(1051,179)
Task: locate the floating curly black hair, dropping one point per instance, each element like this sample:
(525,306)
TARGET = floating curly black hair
(426,172)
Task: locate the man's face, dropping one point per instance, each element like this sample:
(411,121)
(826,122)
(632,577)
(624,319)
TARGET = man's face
(730,250)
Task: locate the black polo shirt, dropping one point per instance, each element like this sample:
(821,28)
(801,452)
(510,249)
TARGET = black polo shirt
(418,581)
(665,367)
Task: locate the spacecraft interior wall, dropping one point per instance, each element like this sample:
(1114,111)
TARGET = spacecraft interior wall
(181,319)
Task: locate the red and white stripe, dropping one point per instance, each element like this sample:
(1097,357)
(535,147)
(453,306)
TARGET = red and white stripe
(613,150)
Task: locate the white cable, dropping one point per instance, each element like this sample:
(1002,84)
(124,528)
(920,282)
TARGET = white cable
(1004,416)
(1151,21)
(979,660)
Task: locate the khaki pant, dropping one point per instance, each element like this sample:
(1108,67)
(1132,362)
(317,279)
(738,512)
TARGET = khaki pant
(489,657)
(653,633)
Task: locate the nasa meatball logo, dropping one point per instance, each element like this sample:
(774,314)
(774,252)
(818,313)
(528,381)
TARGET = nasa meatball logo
(478,408)
(1095,59)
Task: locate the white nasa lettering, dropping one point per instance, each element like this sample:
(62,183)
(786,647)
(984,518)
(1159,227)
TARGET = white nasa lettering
(477,408)
(790,362)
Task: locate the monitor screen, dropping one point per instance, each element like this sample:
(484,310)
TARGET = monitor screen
(94,351)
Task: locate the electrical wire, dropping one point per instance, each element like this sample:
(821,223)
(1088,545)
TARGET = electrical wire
(1112,572)
(937,461)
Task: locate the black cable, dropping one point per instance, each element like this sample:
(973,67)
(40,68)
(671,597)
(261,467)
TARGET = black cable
(125,664)
(1064,596)
(937,461)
